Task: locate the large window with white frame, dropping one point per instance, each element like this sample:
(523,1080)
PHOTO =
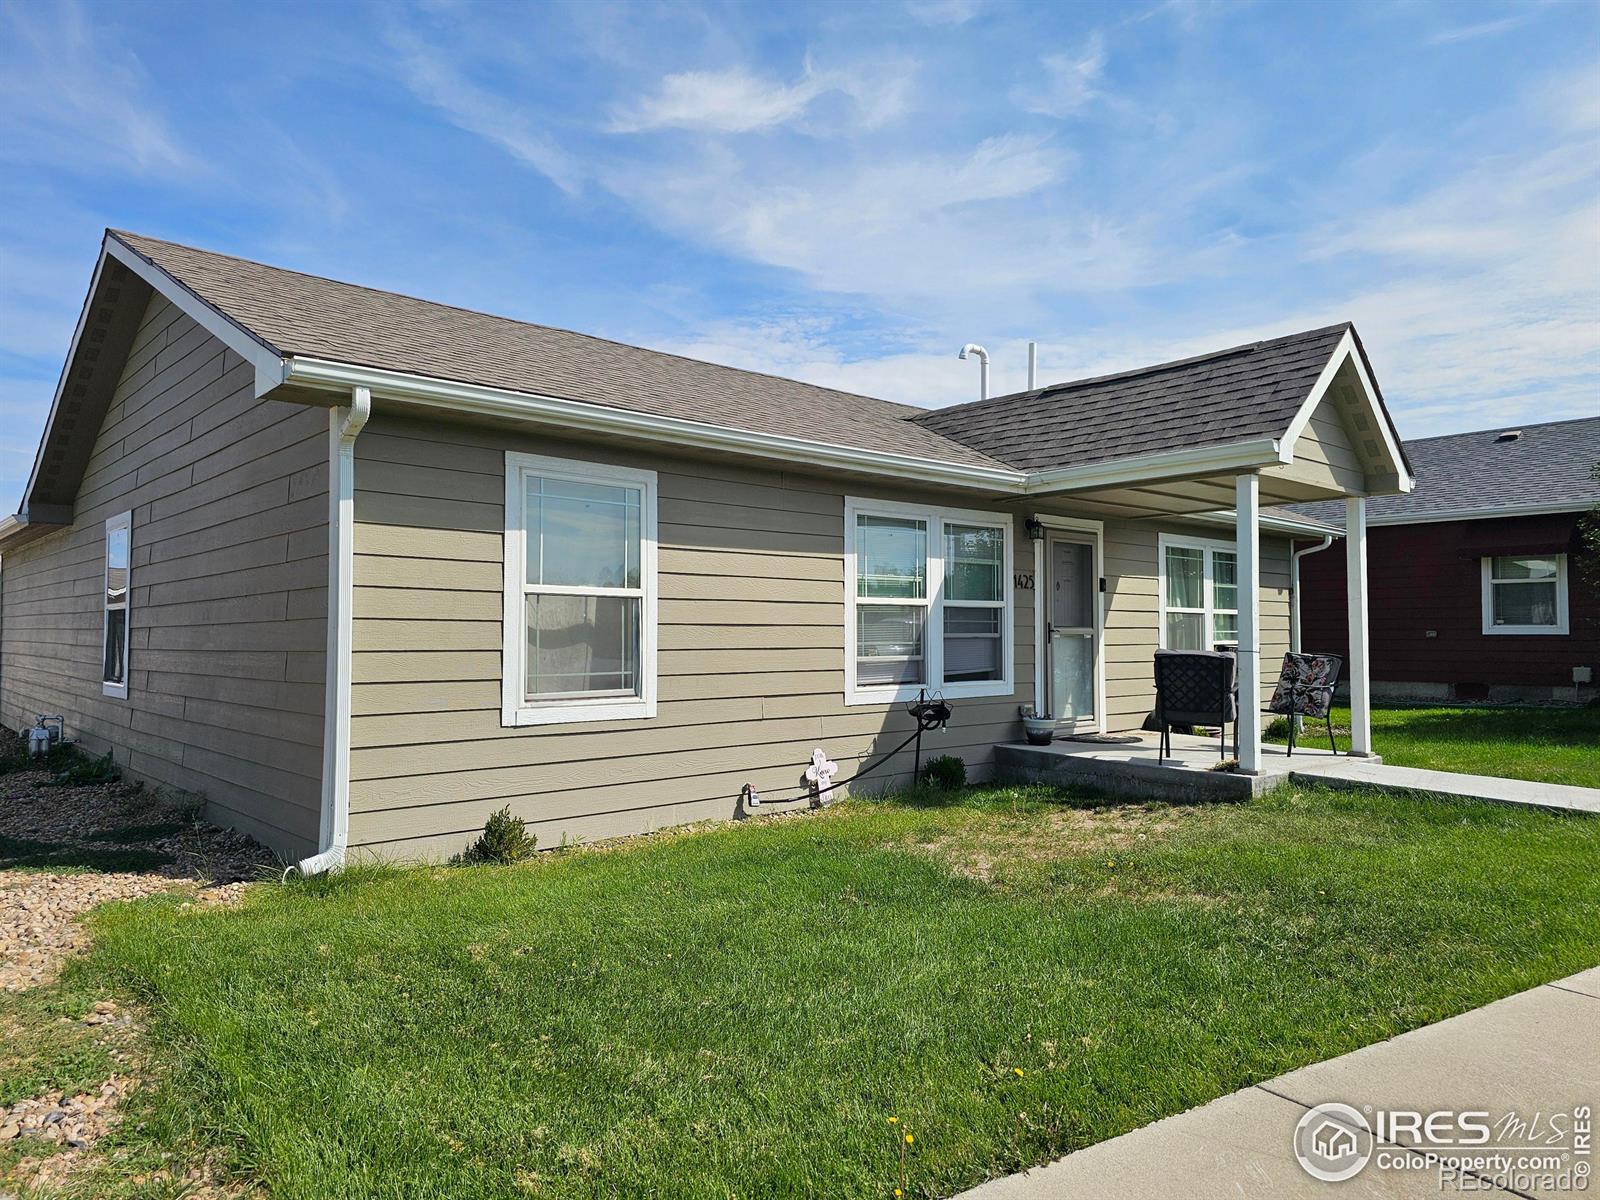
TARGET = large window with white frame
(580,592)
(1525,594)
(927,602)
(118,572)
(1199,591)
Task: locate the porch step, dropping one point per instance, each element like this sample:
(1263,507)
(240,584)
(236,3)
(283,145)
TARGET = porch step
(1068,764)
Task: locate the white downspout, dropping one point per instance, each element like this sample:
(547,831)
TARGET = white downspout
(1294,589)
(343,426)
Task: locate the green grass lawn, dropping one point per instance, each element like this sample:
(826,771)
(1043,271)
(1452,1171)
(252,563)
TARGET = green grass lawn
(738,1012)
(1547,745)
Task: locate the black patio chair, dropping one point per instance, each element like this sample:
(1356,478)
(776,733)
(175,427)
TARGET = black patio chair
(1305,689)
(1197,687)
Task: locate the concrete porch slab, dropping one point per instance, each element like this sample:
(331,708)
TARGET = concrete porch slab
(1129,765)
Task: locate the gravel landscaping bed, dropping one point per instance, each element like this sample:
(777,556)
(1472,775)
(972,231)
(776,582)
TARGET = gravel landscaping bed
(65,849)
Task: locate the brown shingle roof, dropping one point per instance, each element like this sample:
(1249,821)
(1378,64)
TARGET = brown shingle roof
(297,314)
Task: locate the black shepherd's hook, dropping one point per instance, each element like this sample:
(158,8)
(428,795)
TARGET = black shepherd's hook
(930,715)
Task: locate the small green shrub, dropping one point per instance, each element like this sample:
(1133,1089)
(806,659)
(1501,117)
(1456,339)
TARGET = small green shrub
(83,771)
(947,771)
(505,840)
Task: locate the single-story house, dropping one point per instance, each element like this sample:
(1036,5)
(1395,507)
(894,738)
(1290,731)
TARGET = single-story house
(1479,586)
(362,569)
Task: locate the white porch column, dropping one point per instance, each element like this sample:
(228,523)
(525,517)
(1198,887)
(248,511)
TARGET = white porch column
(1247,540)
(1360,667)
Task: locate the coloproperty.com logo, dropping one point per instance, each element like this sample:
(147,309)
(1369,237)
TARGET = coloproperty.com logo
(1468,1150)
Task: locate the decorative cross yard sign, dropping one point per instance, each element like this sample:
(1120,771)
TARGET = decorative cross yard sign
(821,772)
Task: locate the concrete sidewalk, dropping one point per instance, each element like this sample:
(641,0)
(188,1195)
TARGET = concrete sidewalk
(1535,1052)
(1385,777)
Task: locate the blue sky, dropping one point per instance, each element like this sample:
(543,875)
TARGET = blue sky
(846,193)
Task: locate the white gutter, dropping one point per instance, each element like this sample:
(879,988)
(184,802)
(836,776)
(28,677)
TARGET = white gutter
(1294,588)
(343,426)
(599,418)
(1276,524)
(1152,468)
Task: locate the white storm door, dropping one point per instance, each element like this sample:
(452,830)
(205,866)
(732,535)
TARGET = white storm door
(1074,587)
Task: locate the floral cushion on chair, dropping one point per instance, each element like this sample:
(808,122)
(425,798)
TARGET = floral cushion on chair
(1305,686)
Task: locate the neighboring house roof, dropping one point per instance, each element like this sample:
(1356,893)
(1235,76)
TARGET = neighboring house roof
(1232,395)
(1489,473)
(304,315)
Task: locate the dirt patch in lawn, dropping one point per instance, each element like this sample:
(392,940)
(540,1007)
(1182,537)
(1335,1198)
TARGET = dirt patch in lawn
(1000,847)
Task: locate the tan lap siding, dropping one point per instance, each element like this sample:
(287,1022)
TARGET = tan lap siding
(1133,613)
(751,660)
(229,574)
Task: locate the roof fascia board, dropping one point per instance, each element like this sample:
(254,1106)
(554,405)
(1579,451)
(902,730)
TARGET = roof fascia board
(1484,514)
(66,369)
(268,363)
(1346,349)
(1152,468)
(473,398)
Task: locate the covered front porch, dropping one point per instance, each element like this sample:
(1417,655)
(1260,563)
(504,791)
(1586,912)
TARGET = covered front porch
(1338,444)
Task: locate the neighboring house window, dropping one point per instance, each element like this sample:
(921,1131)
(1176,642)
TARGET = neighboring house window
(114,671)
(1199,588)
(927,602)
(580,592)
(1525,594)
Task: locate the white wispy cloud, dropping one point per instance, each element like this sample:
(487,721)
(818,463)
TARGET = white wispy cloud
(434,80)
(1482,29)
(75,97)
(1070,84)
(944,12)
(977,221)
(738,101)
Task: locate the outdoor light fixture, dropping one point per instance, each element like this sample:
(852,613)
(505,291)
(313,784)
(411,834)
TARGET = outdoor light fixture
(1035,528)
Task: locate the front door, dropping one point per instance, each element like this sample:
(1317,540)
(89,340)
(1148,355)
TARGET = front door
(1074,591)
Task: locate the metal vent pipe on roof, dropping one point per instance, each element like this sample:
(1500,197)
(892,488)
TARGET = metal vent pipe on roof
(1033,365)
(983,367)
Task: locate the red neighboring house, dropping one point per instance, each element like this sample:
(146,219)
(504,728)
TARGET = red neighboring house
(1477,583)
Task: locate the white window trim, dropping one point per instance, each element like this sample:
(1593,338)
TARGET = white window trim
(1562,625)
(514,710)
(933,635)
(119,691)
(1210,546)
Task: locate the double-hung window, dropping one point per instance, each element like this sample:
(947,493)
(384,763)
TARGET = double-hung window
(1525,594)
(927,602)
(118,567)
(580,592)
(1199,588)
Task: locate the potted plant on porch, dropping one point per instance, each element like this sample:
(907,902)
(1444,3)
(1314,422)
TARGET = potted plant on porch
(1040,727)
